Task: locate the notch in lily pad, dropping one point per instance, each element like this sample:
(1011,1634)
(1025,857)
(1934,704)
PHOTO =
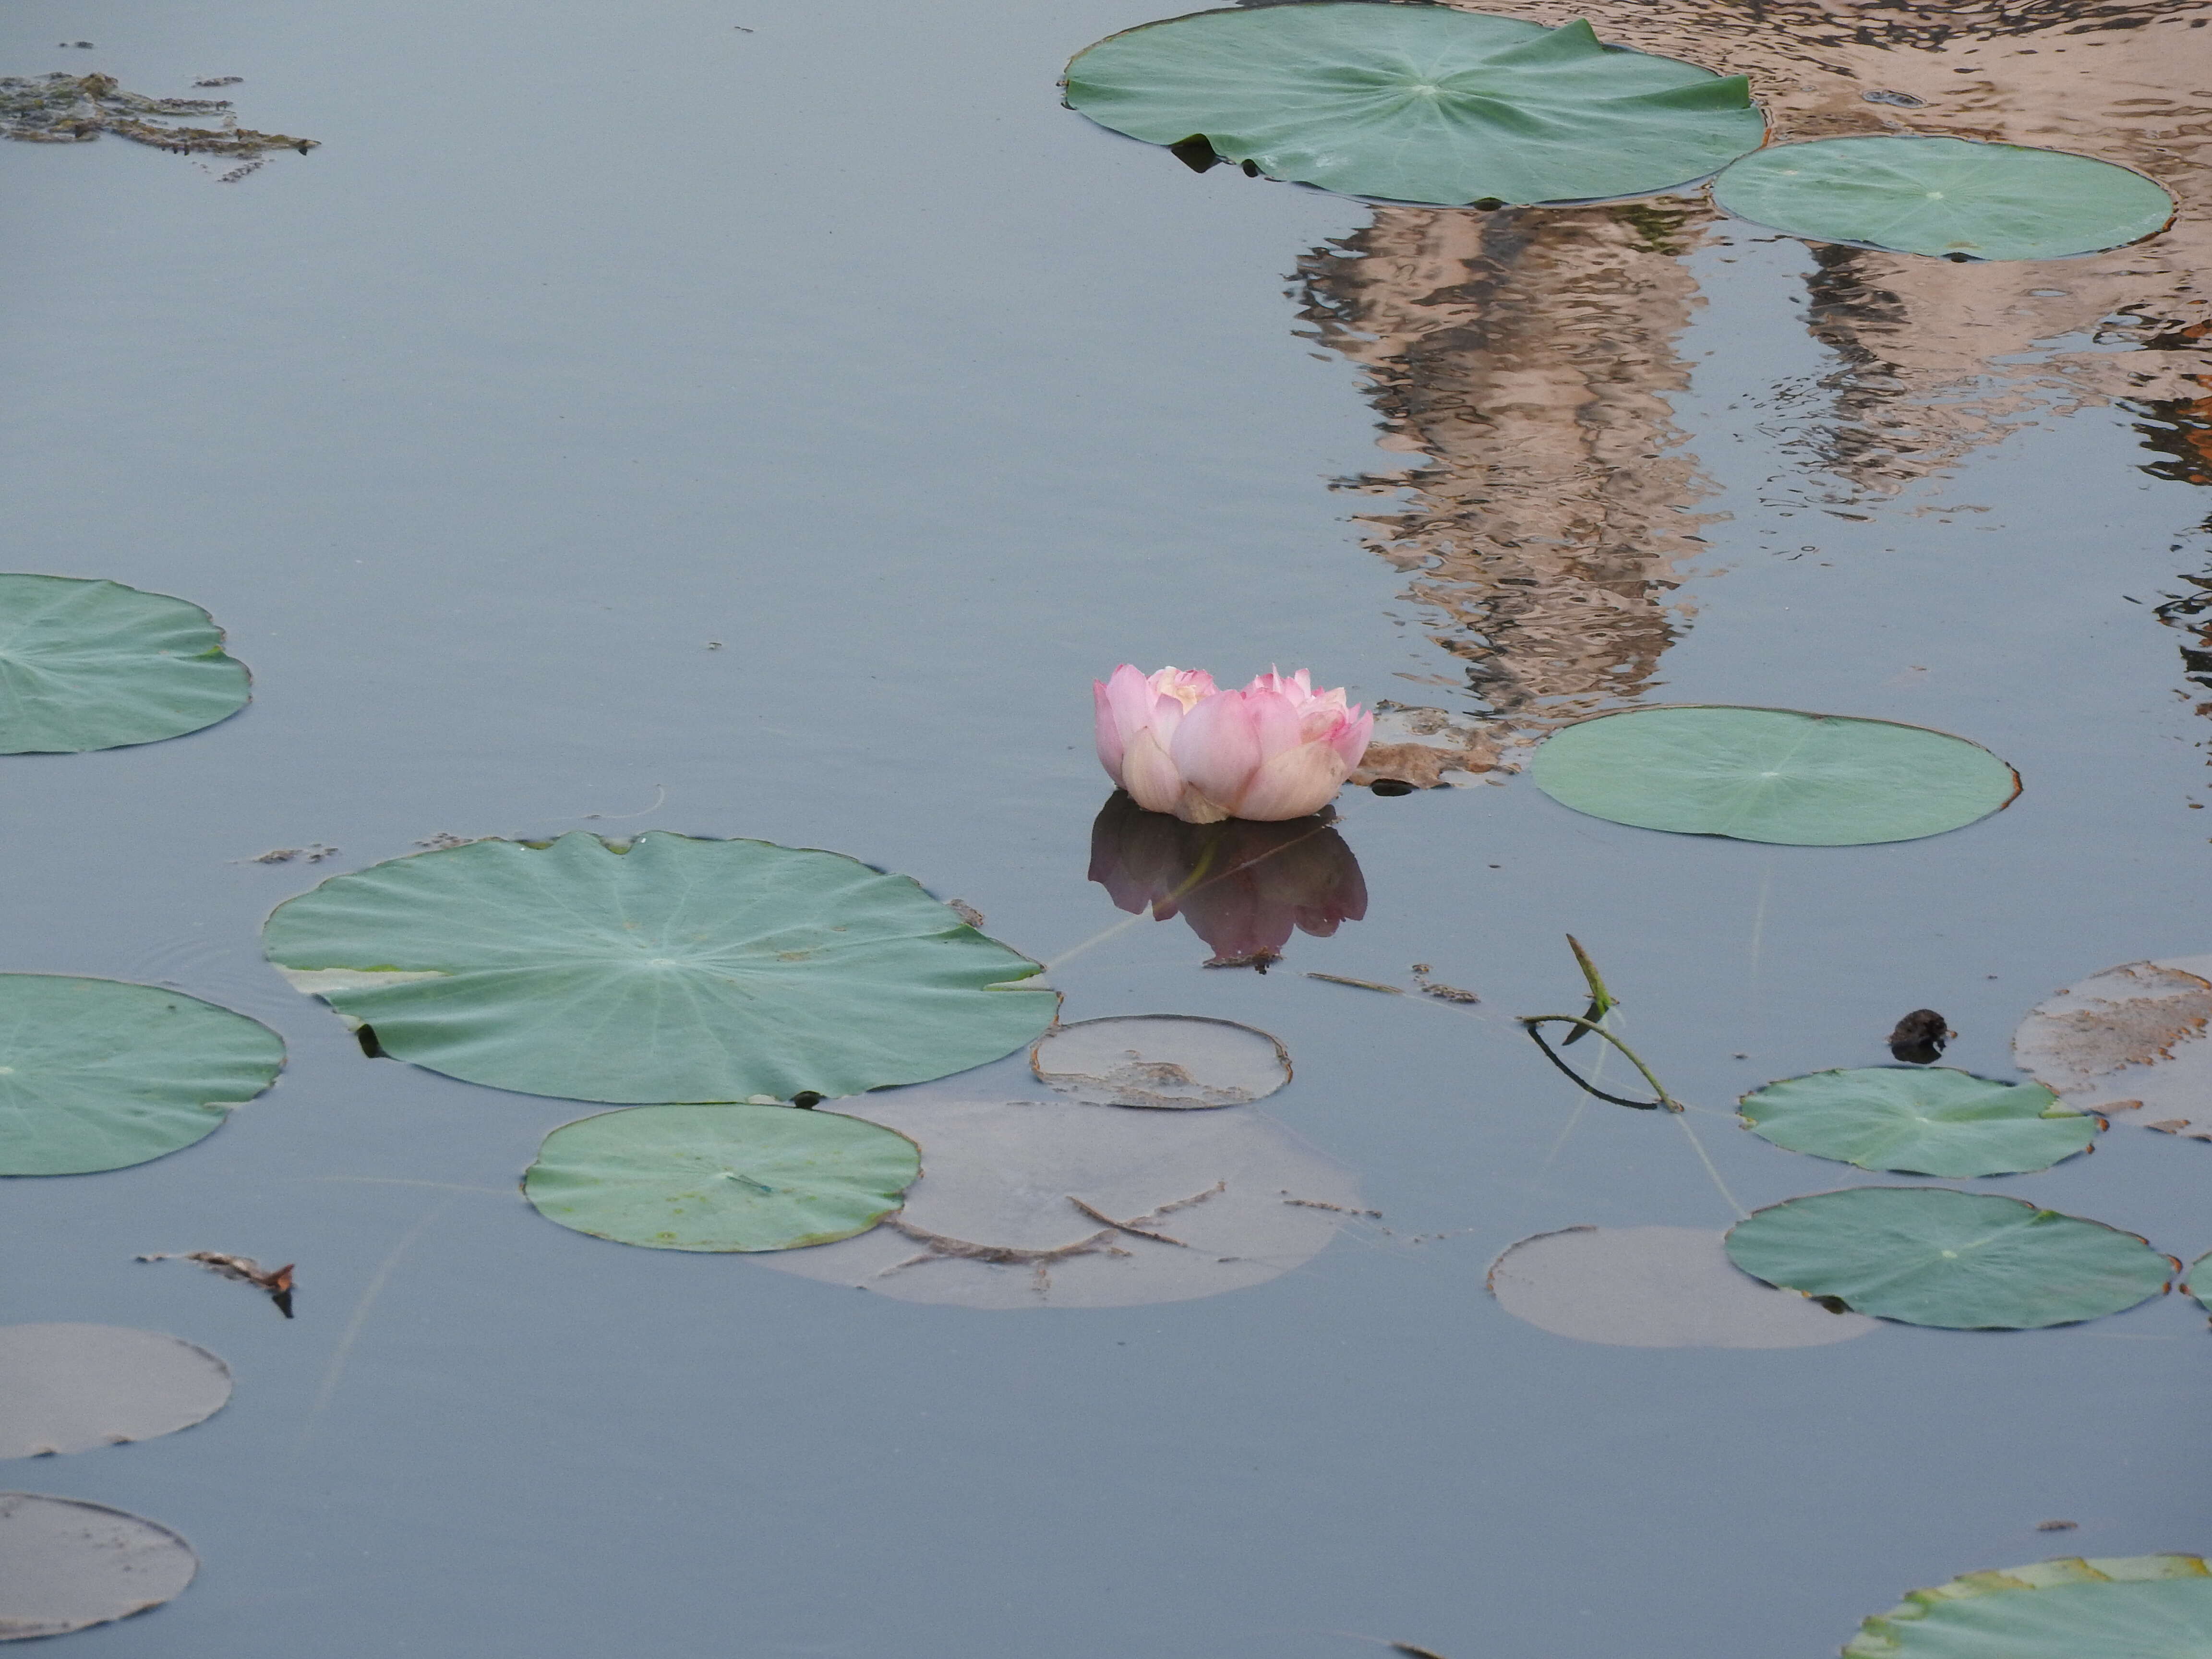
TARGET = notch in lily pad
(1771,774)
(89,665)
(672,968)
(1936,1122)
(1953,198)
(1416,103)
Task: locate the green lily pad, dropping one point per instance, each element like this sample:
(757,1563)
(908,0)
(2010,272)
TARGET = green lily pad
(1771,774)
(99,1074)
(720,1177)
(94,665)
(676,970)
(1928,1255)
(1953,197)
(1418,103)
(1936,1122)
(2125,1607)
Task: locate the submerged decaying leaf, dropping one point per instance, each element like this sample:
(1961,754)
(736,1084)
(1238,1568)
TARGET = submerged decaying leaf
(68,1564)
(101,1075)
(2130,1042)
(71,1388)
(1034,1204)
(1416,103)
(275,1282)
(671,968)
(1655,1287)
(1160,1061)
(68,109)
(2130,1606)
(1930,1255)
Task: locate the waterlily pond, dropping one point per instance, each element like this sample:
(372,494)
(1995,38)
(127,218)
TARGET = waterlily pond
(671,476)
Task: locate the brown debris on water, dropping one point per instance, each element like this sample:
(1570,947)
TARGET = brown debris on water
(72,109)
(275,1281)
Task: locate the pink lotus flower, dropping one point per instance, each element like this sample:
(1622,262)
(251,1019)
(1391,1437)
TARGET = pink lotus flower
(1276,750)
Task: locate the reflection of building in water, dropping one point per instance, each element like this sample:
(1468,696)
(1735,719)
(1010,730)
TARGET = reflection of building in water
(1529,353)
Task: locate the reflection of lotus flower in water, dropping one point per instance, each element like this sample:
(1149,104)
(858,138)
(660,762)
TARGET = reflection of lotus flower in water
(1277,750)
(1241,887)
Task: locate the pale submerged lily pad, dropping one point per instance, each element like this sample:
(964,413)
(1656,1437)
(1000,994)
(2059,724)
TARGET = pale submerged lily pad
(720,1177)
(101,1075)
(1058,1204)
(2130,1606)
(94,665)
(1655,1287)
(1418,103)
(1172,1061)
(679,969)
(2130,1043)
(1937,1121)
(1944,196)
(1771,774)
(1928,1255)
(71,1388)
(67,1565)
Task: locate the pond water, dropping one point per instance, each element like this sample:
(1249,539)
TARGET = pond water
(751,418)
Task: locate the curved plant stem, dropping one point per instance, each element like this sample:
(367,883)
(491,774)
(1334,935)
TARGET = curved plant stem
(1534,1023)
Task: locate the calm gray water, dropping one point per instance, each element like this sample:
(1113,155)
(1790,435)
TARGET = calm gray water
(591,336)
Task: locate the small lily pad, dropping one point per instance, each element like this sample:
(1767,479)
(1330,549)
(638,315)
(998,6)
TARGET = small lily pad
(2129,1044)
(720,1177)
(1655,1287)
(1771,774)
(1161,1061)
(1953,197)
(1937,1121)
(101,1075)
(1058,1203)
(71,1388)
(1418,103)
(668,969)
(1928,1255)
(94,665)
(67,1565)
(2128,1607)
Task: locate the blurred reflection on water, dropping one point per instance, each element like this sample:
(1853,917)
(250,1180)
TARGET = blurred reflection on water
(1529,355)
(1241,886)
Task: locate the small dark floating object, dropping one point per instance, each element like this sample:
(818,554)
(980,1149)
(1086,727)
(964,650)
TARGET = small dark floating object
(1487,204)
(1251,169)
(366,1035)
(1902,100)
(807,1099)
(1919,1037)
(1391,786)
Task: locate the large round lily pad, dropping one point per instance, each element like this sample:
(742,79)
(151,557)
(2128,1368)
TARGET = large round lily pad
(1955,196)
(94,665)
(1655,1287)
(1771,774)
(99,1074)
(677,969)
(1418,103)
(67,1565)
(1061,1204)
(1174,1061)
(71,1388)
(1936,1122)
(1928,1255)
(2128,1607)
(720,1177)
(2129,1044)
